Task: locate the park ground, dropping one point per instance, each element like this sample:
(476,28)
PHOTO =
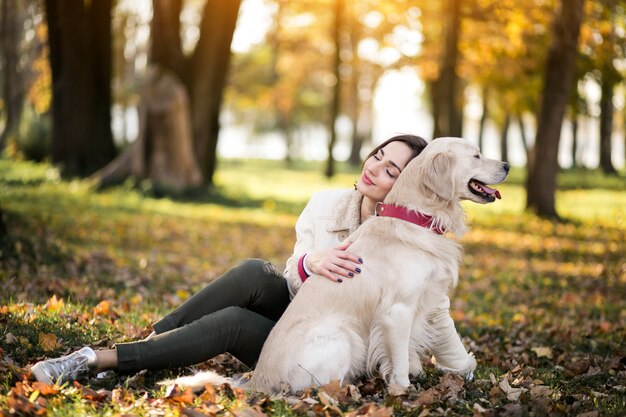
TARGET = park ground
(542,304)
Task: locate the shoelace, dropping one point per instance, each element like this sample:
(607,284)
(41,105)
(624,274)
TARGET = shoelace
(71,365)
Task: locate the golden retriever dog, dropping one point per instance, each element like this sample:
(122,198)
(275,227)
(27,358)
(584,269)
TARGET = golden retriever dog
(377,321)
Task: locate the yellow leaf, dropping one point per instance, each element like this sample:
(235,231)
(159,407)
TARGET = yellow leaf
(102,309)
(182,294)
(543,352)
(48,341)
(54,304)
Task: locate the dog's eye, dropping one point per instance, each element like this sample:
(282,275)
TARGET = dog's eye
(477,156)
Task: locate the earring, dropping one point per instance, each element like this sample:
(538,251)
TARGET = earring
(355,186)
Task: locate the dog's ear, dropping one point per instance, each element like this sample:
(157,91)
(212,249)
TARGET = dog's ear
(438,175)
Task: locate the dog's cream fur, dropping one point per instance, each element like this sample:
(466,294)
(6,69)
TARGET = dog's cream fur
(377,321)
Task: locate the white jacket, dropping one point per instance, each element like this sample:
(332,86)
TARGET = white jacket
(327,220)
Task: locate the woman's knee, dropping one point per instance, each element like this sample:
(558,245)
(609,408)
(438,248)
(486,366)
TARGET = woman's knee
(229,316)
(253,267)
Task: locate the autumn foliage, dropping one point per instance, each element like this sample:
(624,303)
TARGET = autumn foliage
(541,304)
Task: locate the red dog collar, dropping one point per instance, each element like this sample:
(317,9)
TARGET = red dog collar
(415,217)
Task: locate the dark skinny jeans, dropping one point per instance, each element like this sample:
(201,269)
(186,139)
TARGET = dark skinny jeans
(234,313)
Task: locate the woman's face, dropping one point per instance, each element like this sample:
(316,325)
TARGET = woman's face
(381,170)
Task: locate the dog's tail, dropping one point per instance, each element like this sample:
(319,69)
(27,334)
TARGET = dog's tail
(199,380)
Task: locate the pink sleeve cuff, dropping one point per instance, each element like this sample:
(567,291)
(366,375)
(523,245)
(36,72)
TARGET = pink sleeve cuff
(301,271)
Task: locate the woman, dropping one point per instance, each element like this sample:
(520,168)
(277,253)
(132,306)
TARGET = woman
(236,312)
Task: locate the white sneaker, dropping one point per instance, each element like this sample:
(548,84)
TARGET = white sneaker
(66,368)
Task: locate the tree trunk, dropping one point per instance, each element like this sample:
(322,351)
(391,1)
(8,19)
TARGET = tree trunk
(80,58)
(574,141)
(165,47)
(446,89)
(483,118)
(163,151)
(334,105)
(355,101)
(559,77)
(504,139)
(208,78)
(12,81)
(522,132)
(195,108)
(606,124)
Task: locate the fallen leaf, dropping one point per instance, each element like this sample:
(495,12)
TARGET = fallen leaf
(512,393)
(178,396)
(10,338)
(45,389)
(102,309)
(428,397)
(48,341)
(371,410)
(89,394)
(54,303)
(451,385)
(540,391)
(543,352)
(332,388)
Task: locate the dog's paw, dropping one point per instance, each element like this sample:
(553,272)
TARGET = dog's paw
(397,390)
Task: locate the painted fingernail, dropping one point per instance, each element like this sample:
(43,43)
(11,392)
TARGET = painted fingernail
(350,274)
(360,260)
(339,280)
(358,270)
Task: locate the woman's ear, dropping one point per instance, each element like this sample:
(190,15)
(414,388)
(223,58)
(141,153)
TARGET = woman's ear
(438,175)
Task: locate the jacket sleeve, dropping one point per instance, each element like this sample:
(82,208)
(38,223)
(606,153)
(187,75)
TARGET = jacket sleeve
(305,242)
(447,347)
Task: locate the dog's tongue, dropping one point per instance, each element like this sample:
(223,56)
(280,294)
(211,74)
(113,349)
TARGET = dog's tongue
(491,191)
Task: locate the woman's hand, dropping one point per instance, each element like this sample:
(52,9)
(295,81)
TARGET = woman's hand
(334,264)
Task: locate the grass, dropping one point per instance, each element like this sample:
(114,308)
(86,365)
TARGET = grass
(540,303)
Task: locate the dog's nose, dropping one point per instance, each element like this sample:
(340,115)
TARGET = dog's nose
(506,167)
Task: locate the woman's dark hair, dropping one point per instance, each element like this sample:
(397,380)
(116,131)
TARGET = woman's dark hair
(416,143)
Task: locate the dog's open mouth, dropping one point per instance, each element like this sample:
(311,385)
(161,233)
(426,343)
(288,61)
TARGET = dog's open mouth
(481,190)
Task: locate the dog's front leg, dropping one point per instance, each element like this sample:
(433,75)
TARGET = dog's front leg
(397,323)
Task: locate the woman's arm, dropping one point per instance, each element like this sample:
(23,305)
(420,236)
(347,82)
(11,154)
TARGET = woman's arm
(334,263)
(305,242)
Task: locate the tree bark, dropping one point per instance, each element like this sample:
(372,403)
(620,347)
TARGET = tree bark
(208,78)
(80,58)
(574,141)
(606,124)
(355,102)
(483,118)
(504,139)
(335,102)
(446,89)
(559,77)
(165,47)
(163,151)
(522,132)
(12,81)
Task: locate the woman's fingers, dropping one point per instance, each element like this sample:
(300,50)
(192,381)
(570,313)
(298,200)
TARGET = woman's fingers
(344,245)
(353,258)
(335,264)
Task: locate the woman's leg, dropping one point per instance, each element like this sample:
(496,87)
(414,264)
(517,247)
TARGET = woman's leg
(253,284)
(234,313)
(235,330)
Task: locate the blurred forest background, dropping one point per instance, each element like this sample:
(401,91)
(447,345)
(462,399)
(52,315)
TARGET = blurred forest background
(149,145)
(157,90)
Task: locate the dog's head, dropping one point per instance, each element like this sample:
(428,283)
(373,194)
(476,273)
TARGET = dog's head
(448,170)
(454,169)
